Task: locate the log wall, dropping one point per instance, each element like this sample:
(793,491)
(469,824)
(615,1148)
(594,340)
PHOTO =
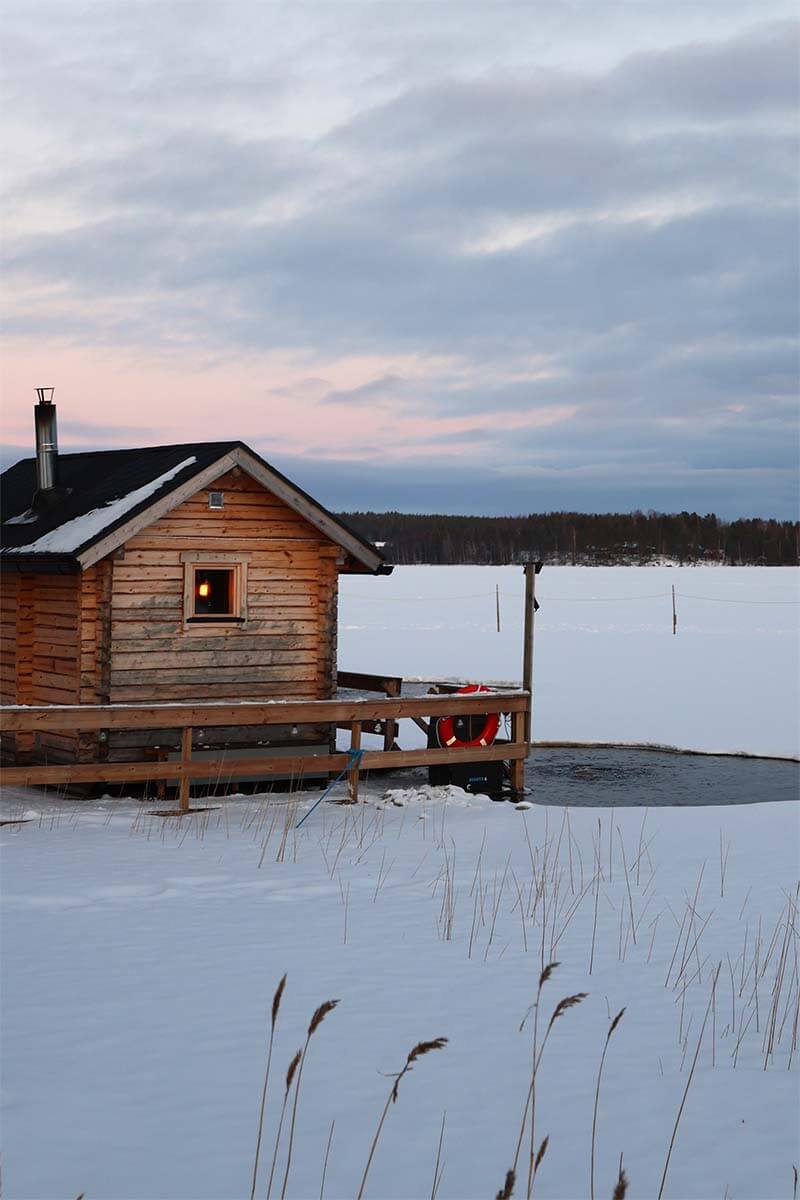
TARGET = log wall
(8,651)
(40,655)
(285,649)
(117,633)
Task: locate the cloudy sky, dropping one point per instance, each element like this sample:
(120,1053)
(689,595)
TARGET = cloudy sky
(473,258)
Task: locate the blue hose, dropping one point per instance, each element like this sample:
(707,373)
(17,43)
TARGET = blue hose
(353,759)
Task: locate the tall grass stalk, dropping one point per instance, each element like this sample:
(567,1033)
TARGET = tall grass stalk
(276,1004)
(438,1171)
(622,1183)
(507,1190)
(289,1077)
(319,1016)
(559,1010)
(543,978)
(418,1051)
(325,1163)
(611,1029)
(688,1083)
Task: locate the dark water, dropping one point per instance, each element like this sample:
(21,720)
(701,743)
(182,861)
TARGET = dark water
(600,778)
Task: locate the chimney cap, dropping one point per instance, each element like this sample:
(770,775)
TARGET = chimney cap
(45,394)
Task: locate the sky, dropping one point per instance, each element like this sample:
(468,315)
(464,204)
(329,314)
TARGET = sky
(469,258)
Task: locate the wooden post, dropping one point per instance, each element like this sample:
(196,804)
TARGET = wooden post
(497,597)
(527,655)
(674,612)
(352,774)
(186,755)
(518,736)
(389,733)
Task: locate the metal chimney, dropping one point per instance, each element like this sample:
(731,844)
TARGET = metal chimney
(46,441)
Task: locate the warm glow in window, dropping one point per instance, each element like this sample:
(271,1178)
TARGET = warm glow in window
(215,592)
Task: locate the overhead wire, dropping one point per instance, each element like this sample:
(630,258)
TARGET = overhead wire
(447,597)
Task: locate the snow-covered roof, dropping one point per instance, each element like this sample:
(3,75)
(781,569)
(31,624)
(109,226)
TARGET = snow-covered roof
(69,537)
(101,496)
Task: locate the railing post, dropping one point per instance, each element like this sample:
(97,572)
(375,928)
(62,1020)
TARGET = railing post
(389,733)
(186,756)
(352,774)
(531,569)
(518,738)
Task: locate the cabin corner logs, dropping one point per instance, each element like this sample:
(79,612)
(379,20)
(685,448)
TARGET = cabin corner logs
(117,632)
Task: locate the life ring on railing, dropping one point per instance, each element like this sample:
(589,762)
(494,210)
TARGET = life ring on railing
(450,730)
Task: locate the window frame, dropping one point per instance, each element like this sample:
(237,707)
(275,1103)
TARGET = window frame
(198,560)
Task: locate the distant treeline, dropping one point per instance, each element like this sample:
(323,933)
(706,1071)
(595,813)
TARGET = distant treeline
(580,538)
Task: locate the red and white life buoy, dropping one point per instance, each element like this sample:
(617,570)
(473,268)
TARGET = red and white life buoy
(446,726)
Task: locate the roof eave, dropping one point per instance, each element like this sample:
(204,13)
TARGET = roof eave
(46,564)
(151,509)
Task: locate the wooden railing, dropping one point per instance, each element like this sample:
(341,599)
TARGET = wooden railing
(358,715)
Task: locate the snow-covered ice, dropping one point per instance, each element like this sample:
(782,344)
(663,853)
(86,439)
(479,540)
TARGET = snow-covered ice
(140,958)
(140,955)
(607,665)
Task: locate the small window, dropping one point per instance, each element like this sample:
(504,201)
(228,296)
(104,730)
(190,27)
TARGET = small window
(214,591)
(216,499)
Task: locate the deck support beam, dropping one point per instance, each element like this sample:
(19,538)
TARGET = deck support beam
(352,774)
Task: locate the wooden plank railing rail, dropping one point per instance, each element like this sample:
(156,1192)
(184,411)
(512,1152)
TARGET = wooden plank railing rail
(189,717)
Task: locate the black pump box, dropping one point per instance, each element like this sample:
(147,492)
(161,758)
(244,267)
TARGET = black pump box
(485,778)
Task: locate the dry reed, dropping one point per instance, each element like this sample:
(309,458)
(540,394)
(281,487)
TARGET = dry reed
(507,1190)
(438,1170)
(611,1029)
(325,1163)
(541,1154)
(543,978)
(418,1051)
(688,1083)
(293,1065)
(276,1004)
(319,1016)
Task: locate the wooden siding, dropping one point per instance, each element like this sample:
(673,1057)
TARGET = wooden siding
(117,633)
(287,646)
(95,649)
(39,656)
(8,651)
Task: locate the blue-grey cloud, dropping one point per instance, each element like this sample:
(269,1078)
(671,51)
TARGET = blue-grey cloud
(629,225)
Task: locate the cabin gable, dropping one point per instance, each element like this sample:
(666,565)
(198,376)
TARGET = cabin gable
(361,555)
(284,642)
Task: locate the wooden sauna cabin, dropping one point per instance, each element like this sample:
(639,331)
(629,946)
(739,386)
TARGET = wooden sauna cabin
(183,573)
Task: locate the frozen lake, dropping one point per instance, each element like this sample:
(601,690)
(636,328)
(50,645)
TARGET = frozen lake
(140,956)
(607,666)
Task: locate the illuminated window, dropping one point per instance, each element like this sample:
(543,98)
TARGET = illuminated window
(214,591)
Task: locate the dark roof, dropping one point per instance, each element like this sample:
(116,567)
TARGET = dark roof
(92,481)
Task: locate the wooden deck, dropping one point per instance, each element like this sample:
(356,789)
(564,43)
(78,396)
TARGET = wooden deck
(358,715)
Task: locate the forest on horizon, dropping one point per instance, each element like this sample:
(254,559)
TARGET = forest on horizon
(599,539)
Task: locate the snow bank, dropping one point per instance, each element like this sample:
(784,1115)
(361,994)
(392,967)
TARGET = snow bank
(140,957)
(456,797)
